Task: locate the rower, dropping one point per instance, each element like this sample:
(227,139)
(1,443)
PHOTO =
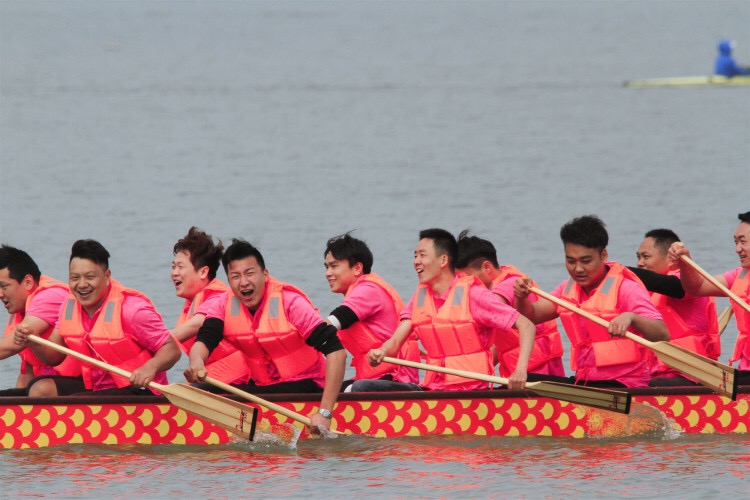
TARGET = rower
(736,281)
(692,320)
(599,356)
(105,320)
(279,332)
(478,257)
(454,317)
(196,260)
(725,65)
(33,299)
(368,315)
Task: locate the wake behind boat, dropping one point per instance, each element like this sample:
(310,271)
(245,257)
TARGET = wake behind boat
(691,81)
(42,422)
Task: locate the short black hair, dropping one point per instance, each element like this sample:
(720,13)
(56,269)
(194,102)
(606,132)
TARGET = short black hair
(473,250)
(241,249)
(203,251)
(445,244)
(18,263)
(90,250)
(744,217)
(663,238)
(353,250)
(587,231)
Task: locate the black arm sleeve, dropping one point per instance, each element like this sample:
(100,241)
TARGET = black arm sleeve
(211,333)
(324,339)
(671,286)
(345,316)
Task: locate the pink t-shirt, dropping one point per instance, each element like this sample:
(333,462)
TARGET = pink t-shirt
(505,290)
(299,312)
(374,308)
(210,303)
(142,323)
(46,305)
(631,297)
(692,310)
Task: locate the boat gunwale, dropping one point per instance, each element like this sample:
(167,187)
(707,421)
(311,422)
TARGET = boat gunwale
(351,396)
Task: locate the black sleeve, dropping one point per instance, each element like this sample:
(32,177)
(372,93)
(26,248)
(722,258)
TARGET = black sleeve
(211,333)
(345,316)
(671,286)
(324,339)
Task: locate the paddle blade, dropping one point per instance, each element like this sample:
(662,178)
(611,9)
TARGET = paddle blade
(237,418)
(607,399)
(718,377)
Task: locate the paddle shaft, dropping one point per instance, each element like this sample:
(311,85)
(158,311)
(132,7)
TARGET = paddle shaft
(451,371)
(716,283)
(617,401)
(724,318)
(596,319)
(87,359)
(255,399)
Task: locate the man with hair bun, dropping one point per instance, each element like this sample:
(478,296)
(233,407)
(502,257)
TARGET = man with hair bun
(478,257)
(196,260)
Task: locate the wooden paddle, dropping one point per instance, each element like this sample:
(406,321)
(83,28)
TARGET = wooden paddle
(716,283)
(617,401)
(716,376)
(237,418)
(255,399)
(724,316)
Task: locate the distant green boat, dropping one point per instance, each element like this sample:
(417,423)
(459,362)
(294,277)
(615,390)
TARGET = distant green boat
(691,81)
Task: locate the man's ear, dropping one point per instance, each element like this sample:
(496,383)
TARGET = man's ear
(359,269)
(203,272)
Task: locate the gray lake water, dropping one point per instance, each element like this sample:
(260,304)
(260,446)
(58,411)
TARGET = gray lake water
(286,123)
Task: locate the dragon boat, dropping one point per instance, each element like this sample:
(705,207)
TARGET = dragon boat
(149,420)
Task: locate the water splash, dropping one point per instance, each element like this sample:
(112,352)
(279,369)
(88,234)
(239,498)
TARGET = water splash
(643,421)
(284,435)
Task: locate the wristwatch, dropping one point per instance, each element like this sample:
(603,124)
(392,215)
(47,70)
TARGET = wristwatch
(325,413)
